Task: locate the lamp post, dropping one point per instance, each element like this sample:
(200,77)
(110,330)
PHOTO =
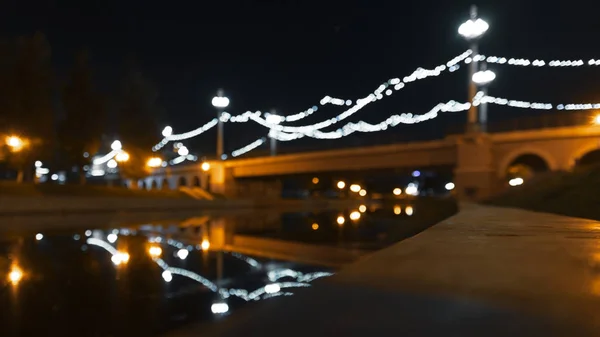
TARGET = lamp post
(482,79)
(273,118)
(220,102)
(472,30)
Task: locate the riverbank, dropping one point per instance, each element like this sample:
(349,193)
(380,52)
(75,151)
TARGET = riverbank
(566,193)
(486,271)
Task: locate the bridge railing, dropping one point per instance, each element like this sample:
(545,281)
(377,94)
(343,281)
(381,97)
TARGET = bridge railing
(545,121)
(404,135)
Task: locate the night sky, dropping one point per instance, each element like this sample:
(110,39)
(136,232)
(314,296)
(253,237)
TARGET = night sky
(287,55)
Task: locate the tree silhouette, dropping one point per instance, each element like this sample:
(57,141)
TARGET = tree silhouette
(26,89)
(85,115)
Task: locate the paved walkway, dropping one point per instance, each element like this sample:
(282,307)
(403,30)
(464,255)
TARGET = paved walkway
(484,272)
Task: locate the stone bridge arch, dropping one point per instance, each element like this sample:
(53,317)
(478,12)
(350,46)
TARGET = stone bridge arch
(546,156)
(590,148)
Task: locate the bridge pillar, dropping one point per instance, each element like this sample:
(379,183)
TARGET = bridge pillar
(222,180)
(475,175)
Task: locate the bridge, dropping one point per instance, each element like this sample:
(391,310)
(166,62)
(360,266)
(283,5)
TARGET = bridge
(480,161)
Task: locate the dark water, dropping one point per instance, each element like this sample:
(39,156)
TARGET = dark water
(145,280)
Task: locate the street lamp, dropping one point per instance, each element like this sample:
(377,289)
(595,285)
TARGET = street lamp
(273,118)
(472,30)
(482,79)
(220,102)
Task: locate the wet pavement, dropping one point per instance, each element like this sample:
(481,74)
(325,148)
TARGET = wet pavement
(484,272)
(159,277)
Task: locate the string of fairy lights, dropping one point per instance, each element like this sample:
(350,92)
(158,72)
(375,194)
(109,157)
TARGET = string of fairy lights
(284,133)
(276,129)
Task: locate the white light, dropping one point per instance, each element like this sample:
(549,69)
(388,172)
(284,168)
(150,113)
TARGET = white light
(473,28)
(272,288)
(39,236)
(182,254)
(449,186)
(409,210)
(411,189)
(167,276)
(397,191)
(183,151)
(516,182)
(484,77)
(219,308)
(167,131)
(88,233)
(111,163)
(116,145)
(205,245)
(362,193)
(274,119)
(54,177)
(38,164)
(205,166)
(418,74)
(97,173)
(112,237)
(220,102)
(248,148)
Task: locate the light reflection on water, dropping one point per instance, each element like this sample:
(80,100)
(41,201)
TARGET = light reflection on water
(151,278)
(131,281)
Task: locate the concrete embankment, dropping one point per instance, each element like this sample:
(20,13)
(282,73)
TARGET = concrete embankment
(486,271)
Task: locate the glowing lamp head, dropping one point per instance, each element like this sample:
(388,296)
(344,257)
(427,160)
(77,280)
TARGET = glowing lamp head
(449,186)
(597,119)
(355,215)
(220,102)
(183,151)
(473,28)
(340,220)
(483,77)
(167,131)
(111,164)
(205,166)
(397,191)
(362,193)
(116,145)
(341,185)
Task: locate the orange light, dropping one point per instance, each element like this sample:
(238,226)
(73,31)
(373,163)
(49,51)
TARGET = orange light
(154,162)
(315,226)
(15,275)
(315,180)
(597,119)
